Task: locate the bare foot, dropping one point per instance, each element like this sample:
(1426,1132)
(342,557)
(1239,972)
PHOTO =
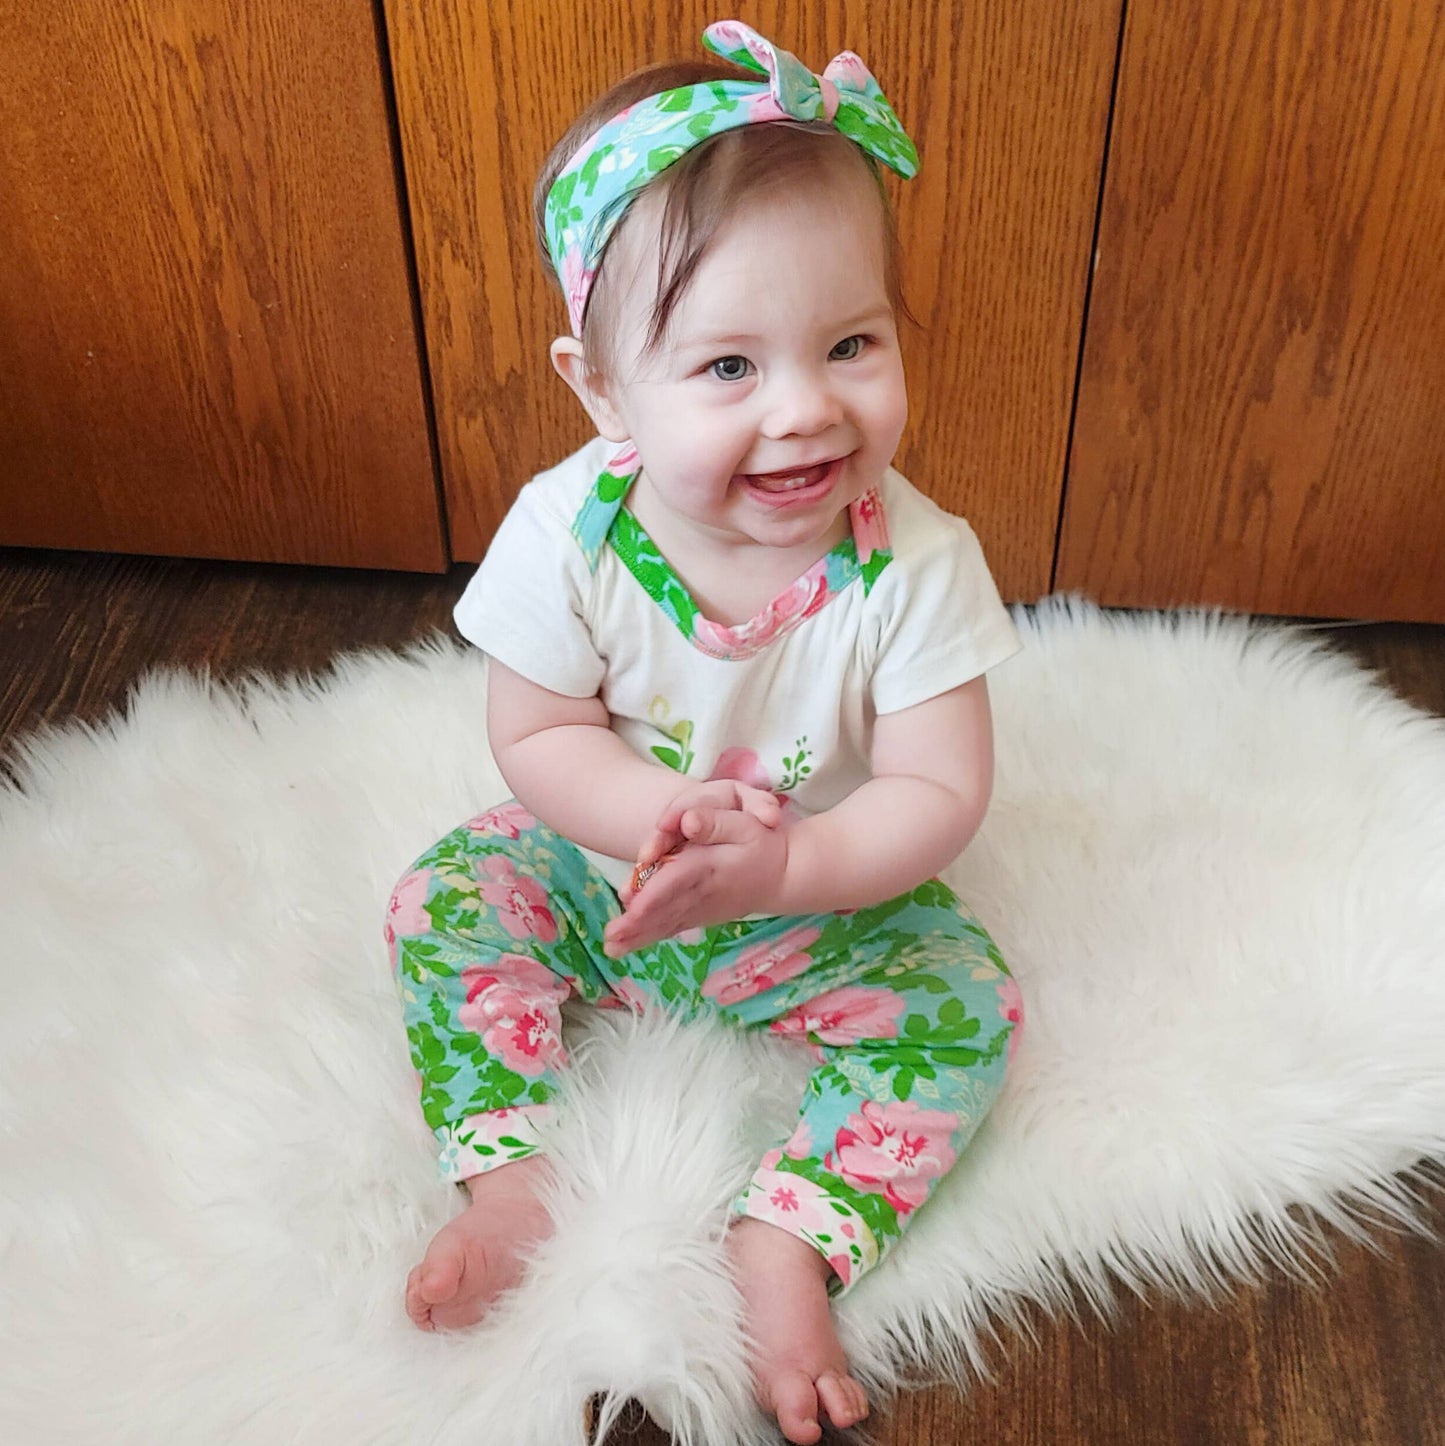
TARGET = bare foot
(799,1370)
(477,1255)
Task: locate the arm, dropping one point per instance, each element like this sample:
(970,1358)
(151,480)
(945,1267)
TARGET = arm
(932,779)
(564,763)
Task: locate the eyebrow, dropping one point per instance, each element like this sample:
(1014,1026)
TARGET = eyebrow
(745,338)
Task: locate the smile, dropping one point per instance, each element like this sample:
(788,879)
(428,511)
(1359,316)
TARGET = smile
(796,485)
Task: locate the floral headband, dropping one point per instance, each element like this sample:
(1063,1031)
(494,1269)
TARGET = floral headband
(593,192)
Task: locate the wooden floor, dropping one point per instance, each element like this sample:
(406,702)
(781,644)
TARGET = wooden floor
(1359,1361)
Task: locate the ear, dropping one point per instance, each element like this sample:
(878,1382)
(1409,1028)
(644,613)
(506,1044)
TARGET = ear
(592,388)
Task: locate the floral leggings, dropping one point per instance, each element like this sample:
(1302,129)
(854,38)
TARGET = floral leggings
(906,1006)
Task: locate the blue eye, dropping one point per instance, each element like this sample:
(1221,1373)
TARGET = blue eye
(730,368)
(848,348)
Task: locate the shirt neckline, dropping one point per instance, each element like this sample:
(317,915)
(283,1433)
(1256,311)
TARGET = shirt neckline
(603,520)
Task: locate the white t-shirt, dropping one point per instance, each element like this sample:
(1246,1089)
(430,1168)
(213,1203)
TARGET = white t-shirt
(573,596)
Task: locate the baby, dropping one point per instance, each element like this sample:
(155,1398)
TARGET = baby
(736,684)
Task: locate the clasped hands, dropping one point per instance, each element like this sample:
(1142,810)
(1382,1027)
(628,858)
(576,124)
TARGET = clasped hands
(720,854)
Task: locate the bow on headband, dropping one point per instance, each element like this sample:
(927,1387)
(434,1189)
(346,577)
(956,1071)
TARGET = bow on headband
(594,190)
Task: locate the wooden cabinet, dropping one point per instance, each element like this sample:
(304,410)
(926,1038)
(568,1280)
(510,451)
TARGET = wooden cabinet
(227,230)
(207,340)
(1261,420)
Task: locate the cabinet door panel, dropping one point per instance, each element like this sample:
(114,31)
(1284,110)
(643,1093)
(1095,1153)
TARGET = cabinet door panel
(207,342)
(1008,105)
(1260,421)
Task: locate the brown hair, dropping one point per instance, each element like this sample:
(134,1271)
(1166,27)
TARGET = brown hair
(701,190)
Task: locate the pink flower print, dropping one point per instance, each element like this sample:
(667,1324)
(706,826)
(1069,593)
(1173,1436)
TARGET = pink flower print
(517,973)
(793,1201)
(520,902)
(1011,1007)
(762,966)
(783,1199)
(844,1016)
(764,108)
(406,914)
(632,994)
(530,1043)
(507,820)
(576,279)
(741,765)
(512,1003)
(791,606)
(624,460)
(870,525)
(894,1150)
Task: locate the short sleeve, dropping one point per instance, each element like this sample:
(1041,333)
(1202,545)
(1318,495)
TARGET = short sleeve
(526,605)
(941,621)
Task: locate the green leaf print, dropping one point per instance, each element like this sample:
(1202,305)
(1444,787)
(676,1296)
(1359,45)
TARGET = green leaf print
(875,564)
(903,1084)
(611,486)
(877,1213)
(428,1050)
(967,1058)
(673,100)
(640,555)
(592,166)
(659,158)
(933,894)
(796,768)
(437,1108)
(928,983)
(562,191)
(952,1011)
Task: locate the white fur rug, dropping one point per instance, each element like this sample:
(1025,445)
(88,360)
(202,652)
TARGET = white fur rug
(1216,860)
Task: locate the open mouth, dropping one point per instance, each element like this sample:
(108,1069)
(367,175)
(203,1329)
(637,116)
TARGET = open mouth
(798,484)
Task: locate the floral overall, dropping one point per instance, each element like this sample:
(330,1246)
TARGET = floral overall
(906,1005)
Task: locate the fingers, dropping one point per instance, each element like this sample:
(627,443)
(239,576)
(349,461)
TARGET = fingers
(720,793)
(718,826)
(654,912)
(762,806)
(662,843)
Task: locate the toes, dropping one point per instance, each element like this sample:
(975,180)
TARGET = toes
(439,1276)
(795,1403)
(456,1316)
(842,1398)
(416,1307)
(433,1288)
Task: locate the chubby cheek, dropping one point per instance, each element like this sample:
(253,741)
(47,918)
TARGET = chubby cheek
(893,409)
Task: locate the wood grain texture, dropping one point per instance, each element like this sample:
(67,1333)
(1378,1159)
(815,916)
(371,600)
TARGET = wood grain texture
(207,340)
(1007,105)
(1353,1361)
(1260,421)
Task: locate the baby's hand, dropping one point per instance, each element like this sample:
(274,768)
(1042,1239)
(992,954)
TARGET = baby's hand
(732,865)
(692,813)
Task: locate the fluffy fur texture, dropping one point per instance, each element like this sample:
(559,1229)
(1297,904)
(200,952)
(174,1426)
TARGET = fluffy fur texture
(1216,860)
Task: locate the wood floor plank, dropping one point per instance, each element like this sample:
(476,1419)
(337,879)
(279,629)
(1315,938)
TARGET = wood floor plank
(1354,1361)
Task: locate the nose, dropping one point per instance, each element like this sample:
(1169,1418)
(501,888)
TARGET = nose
(801,404)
